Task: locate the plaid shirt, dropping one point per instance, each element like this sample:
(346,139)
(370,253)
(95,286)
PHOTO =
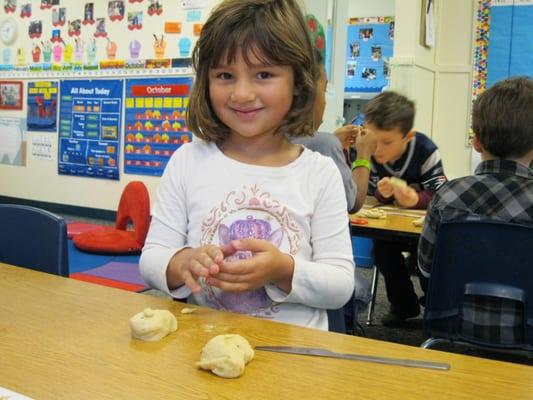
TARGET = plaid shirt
(500,189)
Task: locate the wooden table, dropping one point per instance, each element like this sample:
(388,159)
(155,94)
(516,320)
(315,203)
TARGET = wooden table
(398,225)
(66,339)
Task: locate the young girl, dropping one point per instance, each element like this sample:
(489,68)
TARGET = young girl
(245,221)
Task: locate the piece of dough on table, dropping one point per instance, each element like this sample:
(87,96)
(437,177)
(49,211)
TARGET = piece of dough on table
(226,355)
(152,325)
(374,213)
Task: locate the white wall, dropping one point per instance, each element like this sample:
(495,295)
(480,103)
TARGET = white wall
(374,8)
(438,79)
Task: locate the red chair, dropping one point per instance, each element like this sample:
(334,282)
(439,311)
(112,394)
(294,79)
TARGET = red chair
(134,208)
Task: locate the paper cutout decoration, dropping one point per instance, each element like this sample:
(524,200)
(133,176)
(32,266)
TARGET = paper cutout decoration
(21,56)
(6,56)
(10,6)
(135,49)
(47,4)
(135,20)
(74,27)
(67,53)
(155,8)
(36,53)
(56,36)
(197,29)
(59,16)
(100,28)
(194,15)
(35,29)
(115,10)
(88,14)
(47,51)
(159,47)
(173,27)
(57,52)
(184,45)
(78,49)
(91,52)
(25,11)
(111,49)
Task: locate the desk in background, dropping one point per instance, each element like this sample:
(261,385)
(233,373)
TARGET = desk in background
(66,339)
(397,226)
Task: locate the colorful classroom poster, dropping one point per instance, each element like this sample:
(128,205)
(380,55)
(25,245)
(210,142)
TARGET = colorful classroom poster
(369,48)
(155,123)
(89,128)
(42,106)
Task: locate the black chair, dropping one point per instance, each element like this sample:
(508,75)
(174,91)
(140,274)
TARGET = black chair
(33,238)
(481,286)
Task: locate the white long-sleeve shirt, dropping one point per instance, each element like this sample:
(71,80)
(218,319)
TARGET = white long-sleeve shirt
(205,197)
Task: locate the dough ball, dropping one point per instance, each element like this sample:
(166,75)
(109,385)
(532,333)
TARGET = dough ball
(374,213)
(226,355)
(418,221)
(152,325)
(188,310)
(397,182)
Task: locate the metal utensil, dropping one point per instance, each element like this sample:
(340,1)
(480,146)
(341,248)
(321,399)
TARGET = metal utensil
(310,351)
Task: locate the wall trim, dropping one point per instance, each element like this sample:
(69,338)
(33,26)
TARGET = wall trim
(84,212)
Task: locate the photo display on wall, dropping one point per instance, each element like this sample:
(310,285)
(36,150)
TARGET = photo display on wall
(89,128)
(155,123)
(369,47)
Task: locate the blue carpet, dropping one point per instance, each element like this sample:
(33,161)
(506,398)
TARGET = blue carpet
(80,261)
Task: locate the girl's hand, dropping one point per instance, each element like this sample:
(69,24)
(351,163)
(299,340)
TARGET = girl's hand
(347,135)
(406,196)
(385,187)
(267,265)
(188,265)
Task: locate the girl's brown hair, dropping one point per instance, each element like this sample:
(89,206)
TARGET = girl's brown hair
(275,32)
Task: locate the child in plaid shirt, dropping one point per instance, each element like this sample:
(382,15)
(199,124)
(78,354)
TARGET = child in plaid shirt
(502,187)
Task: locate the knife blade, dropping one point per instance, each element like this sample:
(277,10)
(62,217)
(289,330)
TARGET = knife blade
(311,351)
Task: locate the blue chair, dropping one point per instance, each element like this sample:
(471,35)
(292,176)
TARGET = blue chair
(480,291)
(33,238)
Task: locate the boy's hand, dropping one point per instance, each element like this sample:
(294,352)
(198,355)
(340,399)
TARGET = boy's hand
(347,135)
(267,265)
(406,196)
(188,265)
(385,187)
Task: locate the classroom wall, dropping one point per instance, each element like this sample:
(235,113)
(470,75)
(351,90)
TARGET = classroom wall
(438,79)
(39,180)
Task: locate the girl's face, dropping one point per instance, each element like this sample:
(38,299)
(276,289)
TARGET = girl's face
(252,100)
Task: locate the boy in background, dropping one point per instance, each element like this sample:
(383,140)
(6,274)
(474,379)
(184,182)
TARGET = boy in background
(412,157)
(502,187)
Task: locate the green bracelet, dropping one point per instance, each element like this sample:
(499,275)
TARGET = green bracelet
(362,163)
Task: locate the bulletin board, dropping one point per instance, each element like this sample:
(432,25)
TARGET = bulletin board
(369,46)
(154,123)
(504,44)
(90,128)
